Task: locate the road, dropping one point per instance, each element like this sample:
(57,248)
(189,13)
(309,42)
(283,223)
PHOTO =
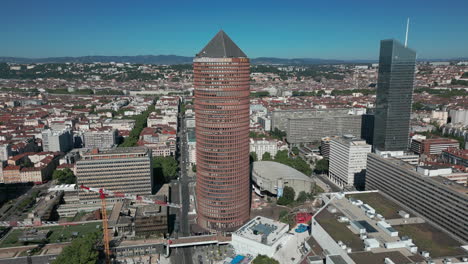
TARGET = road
(14,214)
(182,255)
(327,181)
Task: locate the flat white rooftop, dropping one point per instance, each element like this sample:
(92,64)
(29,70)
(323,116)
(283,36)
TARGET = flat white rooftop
(263,230)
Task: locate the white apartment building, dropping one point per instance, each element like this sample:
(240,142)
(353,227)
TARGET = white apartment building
(102,139)
(168,119)
(260,146)
(348,160)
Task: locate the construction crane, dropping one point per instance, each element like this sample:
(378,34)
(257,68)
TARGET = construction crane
(102,195)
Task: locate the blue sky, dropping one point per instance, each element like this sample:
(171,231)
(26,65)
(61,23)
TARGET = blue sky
(331,29)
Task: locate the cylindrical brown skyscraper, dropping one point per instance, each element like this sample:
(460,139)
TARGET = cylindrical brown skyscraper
(221,80)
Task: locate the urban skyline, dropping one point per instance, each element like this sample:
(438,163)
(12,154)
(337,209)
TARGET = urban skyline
(232,159)
(317,30)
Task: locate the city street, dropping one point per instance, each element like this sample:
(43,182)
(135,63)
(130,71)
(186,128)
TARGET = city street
(182,227)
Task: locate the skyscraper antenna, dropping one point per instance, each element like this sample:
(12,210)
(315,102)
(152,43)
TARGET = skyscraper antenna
(407,29)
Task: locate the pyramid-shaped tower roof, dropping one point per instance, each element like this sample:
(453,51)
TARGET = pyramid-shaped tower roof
(221,46)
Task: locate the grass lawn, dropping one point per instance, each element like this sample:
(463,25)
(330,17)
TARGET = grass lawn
(339,231)
(12,239)
(58,234)
(64,233)
(381,204)
(430,239)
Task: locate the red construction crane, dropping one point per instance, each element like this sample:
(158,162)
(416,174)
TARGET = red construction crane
(102,195)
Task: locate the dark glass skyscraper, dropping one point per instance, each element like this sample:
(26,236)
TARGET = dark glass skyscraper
(394,96)
(222,89)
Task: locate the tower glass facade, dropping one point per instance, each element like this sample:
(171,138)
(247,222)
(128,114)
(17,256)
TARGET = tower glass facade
(222,89)
(394,96)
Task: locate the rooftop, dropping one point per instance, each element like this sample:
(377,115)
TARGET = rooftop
(221,46)
(275,170)
(462,153)
(263,230)
(125,150)
(351,140)
(436,179)
(451,184)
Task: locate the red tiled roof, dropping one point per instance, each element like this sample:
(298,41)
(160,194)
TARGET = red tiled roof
(11,167)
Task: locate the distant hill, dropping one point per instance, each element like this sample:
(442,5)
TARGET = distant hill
(174,59)
(168,59)
(141,59)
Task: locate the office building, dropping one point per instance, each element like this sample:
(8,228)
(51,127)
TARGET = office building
(359,228)
(458,116)
(432,146)
(394,96)
(325,146)
(310,125)
(102,139)
(439,200)
(222,90)
(348,160)
(126,170)
(53,140)
(367,128)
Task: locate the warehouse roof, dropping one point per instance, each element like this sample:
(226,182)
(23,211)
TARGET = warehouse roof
(275,170)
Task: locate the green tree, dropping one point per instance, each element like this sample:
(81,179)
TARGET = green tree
(321,166)
(253,156)
(165,168)
(27,163)
(297,163)
(302,197)
(64,176)
(81,251)
(276,133)
(262,259)
(418,106)
(295,150)
(259,94)
(140,123)
(288,196)
(266,156)
(194,168)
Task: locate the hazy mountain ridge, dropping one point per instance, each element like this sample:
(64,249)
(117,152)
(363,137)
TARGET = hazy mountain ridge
(175,59)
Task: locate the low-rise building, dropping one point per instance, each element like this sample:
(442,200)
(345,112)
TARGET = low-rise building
(272,177)
(432,146)
(260,146)
(161,140)
(455,156)
(260,236)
